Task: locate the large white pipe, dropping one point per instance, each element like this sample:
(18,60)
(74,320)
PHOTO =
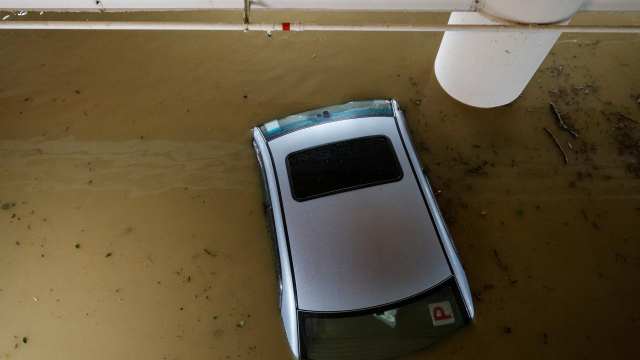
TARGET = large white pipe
(270,27)
(533,12)
(489,70)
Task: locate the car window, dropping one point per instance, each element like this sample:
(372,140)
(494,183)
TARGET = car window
(342,166)
(352,110)
(381,334)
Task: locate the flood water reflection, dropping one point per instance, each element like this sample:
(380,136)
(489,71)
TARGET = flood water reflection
(133,224)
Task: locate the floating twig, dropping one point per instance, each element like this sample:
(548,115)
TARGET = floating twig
(628,118)
(566,159)
(556,113)
(499,261)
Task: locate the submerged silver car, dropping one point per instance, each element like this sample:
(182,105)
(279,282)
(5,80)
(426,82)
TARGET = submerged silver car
(365,266)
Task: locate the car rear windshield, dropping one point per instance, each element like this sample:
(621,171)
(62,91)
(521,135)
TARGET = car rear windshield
(342,166)
(383,334)
(352,110)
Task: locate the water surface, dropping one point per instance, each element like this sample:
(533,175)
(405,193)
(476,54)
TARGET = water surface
(137,144)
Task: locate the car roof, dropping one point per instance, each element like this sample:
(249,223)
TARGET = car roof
(362,248)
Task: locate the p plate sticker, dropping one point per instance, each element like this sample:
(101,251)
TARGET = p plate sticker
(272,126)
(441,313)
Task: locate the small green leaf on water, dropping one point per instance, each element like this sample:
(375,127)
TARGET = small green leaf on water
(24,202)
(15,336)
(520,212)
(6,206)
(215,318)
(77,246)
(24,339)
(108,254)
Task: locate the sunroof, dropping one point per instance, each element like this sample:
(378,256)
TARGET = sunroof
(342,166)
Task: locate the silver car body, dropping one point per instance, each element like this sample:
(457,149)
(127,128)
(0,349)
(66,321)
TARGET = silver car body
(359,249)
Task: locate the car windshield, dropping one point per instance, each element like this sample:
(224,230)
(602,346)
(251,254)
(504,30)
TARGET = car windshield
(355,109)
(384,333)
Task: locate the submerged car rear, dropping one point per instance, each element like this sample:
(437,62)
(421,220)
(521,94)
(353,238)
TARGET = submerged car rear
(373,270)
(381,333)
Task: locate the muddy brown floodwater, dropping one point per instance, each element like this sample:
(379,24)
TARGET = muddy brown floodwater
(137,145)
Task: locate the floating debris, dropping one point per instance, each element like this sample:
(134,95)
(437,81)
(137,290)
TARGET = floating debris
(24,339)
(500,264)
(479,170)
(108,254)
(560,122)
(6,206)
(77,246)
(628,118)
(566,159)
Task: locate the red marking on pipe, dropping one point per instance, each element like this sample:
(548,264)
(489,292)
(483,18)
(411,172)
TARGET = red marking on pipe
(286,26)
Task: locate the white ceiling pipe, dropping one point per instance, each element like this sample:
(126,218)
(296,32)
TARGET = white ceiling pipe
(489,70)
(362,5)
(534,12)
(222,26)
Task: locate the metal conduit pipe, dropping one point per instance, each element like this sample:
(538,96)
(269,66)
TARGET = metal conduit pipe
(269,27)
